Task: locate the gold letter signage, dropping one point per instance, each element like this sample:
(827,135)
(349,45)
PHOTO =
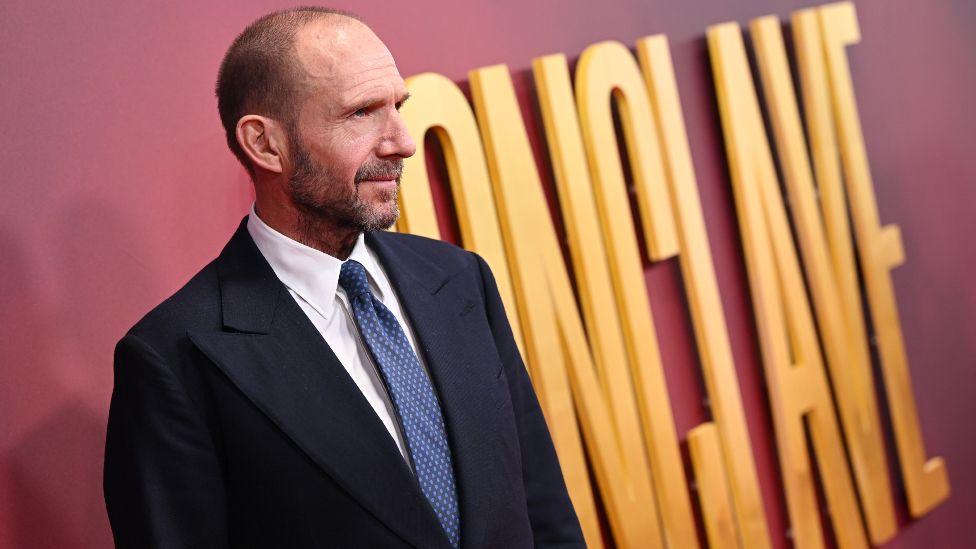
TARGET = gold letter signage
(593,355)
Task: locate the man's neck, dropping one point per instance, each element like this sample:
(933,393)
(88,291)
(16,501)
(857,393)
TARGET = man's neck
(311,230)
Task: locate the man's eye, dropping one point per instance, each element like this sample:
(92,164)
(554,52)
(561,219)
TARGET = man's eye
(360,112)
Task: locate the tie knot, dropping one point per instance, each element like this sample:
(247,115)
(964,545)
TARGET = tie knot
(352,278)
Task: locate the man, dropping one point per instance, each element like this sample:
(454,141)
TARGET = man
(323,382)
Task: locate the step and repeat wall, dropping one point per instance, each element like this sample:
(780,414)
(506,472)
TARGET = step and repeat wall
(733,240)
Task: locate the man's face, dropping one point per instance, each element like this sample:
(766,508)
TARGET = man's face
(348,141)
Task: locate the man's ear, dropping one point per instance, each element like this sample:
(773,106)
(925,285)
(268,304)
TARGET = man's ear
(263,141)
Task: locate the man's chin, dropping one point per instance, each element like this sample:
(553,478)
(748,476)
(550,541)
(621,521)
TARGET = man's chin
(380,218)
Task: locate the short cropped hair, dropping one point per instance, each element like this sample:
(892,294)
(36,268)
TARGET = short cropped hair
(259,73)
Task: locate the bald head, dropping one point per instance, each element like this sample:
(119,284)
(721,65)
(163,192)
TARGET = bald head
(264,72)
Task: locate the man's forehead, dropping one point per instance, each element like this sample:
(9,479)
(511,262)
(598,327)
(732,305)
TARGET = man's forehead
(336,46)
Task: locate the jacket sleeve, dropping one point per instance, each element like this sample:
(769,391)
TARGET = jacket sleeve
(554,521)
(162,481)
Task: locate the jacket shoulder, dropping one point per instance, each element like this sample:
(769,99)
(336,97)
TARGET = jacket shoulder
(445,254)
(194,306)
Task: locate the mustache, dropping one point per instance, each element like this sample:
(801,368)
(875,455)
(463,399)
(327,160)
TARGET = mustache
(380,169)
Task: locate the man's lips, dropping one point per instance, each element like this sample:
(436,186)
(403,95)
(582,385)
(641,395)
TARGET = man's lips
(381,179)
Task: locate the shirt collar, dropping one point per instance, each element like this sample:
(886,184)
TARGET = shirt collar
(311,274)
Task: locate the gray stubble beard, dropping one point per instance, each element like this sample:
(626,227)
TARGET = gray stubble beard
(311,186)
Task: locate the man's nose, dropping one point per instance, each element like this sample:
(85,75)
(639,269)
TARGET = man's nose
(397,141)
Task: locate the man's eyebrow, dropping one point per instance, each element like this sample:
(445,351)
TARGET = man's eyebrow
(404,100)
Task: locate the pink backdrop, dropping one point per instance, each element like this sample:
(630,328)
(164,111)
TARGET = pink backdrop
(117,187)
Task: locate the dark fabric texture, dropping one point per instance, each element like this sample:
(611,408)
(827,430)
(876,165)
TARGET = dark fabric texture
(232,423)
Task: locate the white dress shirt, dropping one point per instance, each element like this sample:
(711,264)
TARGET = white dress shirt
(312,279)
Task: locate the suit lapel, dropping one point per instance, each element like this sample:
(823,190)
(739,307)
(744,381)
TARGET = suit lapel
(442,313)
(274,355)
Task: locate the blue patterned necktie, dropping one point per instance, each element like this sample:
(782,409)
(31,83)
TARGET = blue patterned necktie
(412,393)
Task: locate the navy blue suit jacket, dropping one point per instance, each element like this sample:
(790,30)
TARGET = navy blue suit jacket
(233,424)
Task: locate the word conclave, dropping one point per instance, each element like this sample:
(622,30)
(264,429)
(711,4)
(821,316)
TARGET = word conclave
(594,356)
